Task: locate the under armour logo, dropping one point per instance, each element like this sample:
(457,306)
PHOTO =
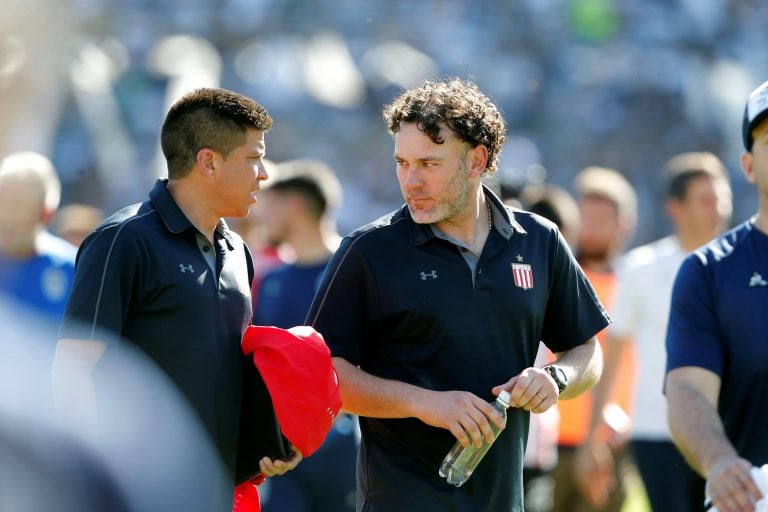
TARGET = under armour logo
(757,280)
(432,274)
(186,268)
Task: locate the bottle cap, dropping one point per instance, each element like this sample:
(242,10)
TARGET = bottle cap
(504,397)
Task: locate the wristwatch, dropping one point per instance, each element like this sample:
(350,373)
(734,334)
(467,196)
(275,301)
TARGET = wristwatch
(558,375)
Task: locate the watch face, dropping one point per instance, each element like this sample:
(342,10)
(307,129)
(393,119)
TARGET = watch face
(559,377)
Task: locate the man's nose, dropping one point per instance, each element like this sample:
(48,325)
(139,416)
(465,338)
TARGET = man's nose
(412,177)
(261,171)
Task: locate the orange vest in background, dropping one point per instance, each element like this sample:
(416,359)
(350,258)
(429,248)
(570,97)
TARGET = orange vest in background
(575,414)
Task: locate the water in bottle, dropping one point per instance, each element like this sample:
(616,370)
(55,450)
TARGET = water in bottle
(460,462)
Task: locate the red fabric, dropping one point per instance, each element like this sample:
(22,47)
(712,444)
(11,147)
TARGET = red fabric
(247,497)
(297,369)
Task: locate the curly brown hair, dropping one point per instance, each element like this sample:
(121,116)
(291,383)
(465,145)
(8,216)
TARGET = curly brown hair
(457,104)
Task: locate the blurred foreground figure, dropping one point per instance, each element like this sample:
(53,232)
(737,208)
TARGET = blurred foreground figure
(46,464)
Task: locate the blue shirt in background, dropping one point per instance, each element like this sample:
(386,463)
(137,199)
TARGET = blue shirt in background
(41,282)
(285,294)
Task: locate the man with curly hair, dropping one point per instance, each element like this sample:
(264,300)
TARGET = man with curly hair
(433,309)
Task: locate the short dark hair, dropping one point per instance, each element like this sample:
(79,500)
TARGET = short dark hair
(683,168)
(313,180)
(208,118)
(460,105)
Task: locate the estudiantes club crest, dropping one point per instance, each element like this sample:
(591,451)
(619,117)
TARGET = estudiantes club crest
(523,274)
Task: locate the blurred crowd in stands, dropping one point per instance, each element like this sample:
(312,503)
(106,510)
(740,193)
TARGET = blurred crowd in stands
(581,82)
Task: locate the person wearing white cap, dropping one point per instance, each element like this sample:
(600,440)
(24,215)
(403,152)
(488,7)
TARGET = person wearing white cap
(717,348)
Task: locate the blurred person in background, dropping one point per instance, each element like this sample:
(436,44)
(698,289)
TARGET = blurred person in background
(698,202)
(296,212)
(251,229)
(558,205)
(36,267)
(75,221)
(608,210)
(437,307)
(170,276)
(717,348)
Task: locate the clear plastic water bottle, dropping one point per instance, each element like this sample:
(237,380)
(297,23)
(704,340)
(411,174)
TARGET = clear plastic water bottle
(460,462)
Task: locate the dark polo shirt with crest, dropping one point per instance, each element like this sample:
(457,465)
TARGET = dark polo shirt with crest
(402,303)
(150,277)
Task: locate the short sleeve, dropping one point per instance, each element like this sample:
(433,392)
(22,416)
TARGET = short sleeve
(103,288)
(692,332)
(339,310)
(573,314)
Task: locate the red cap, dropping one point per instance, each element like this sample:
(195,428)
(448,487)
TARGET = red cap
(297,369)
(247,497)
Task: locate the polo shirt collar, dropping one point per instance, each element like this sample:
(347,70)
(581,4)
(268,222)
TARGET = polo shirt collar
(503,221)
(173,218)
(503,218)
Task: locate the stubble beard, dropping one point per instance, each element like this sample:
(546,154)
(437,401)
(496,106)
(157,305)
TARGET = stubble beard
(449,207)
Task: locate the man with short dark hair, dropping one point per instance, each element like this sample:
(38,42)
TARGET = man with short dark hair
(435,308)
(169,276)
(717,349)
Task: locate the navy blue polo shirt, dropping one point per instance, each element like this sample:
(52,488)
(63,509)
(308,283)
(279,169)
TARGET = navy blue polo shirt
(143,276)
(717,322)
(400,302)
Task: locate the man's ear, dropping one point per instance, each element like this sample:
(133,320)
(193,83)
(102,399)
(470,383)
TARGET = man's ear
(746,166)
(478,160)
(207,161)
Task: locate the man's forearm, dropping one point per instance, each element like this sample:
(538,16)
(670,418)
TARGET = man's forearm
(695,425)
(364,394)
(583,366)
(467,416)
